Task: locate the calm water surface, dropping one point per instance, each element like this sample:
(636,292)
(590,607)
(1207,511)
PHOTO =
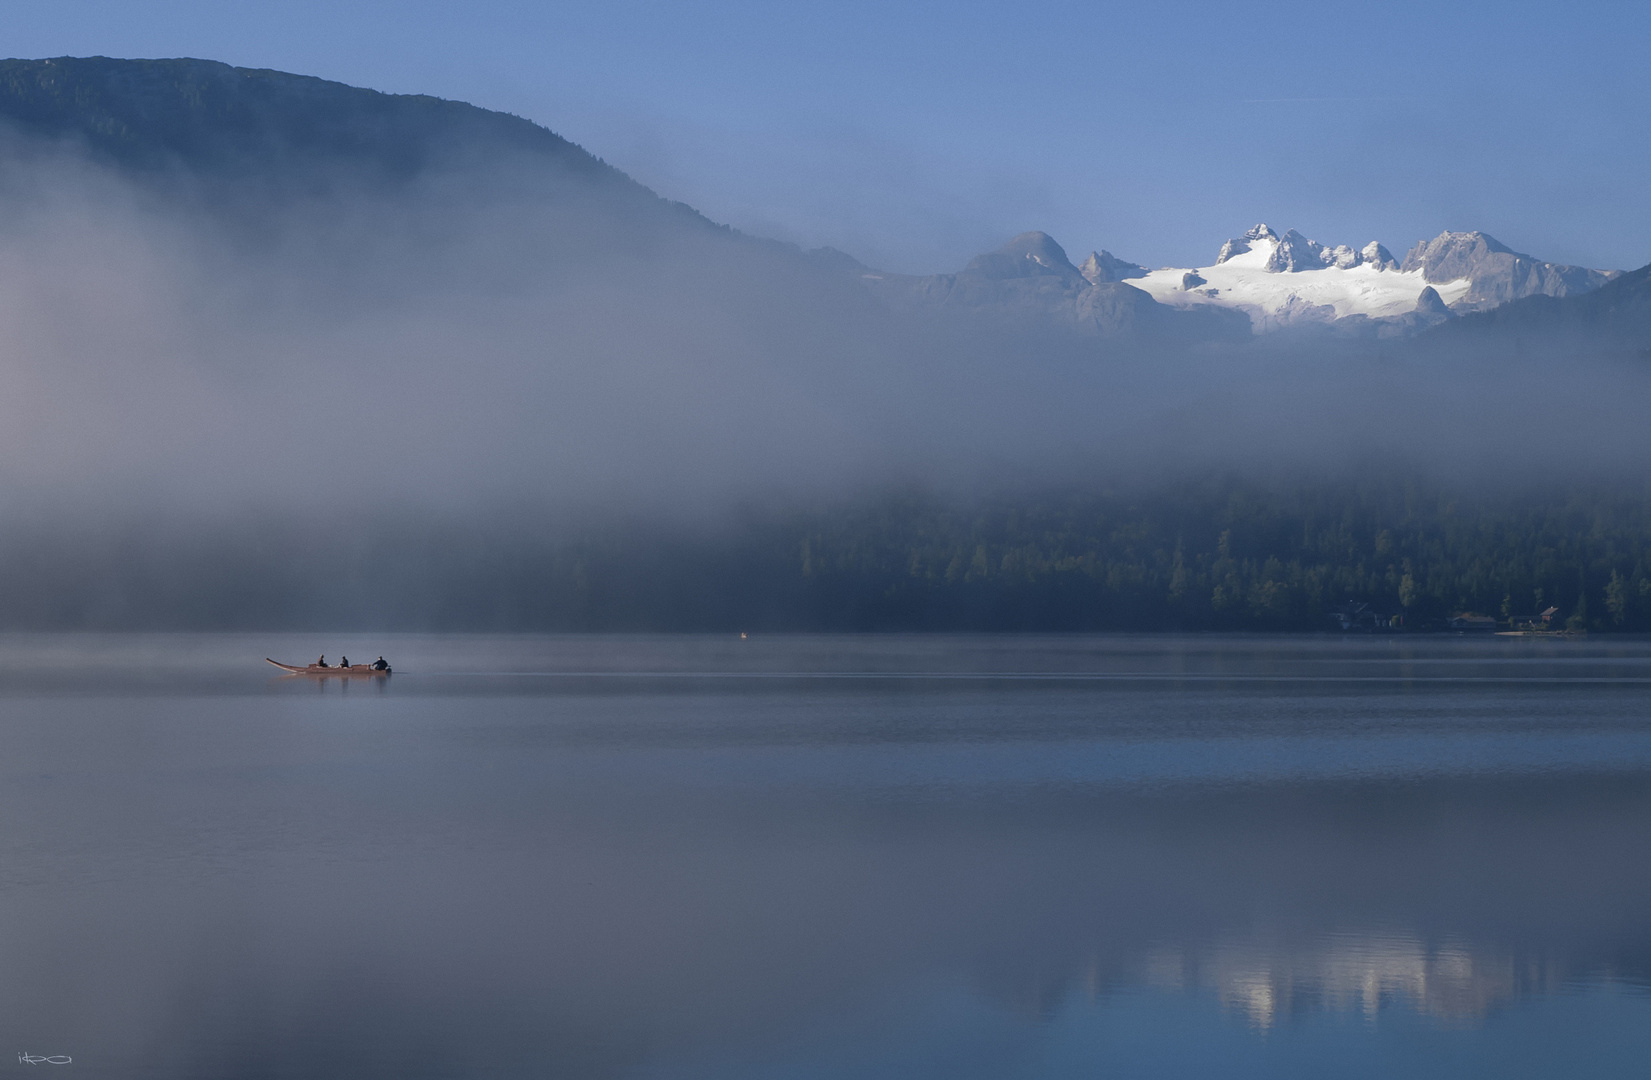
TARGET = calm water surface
(701,857)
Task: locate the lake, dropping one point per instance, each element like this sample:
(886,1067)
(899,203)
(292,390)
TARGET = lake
(801,857)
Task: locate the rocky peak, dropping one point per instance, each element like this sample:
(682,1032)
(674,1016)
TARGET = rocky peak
(1373,254)
(1104,266)
(1295,252)
(1238,245)
(1341,257)
(1431,303)
(1453,255)
(1031,254)
(1497,273)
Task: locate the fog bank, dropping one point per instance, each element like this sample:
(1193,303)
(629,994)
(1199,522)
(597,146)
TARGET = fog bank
(200,375)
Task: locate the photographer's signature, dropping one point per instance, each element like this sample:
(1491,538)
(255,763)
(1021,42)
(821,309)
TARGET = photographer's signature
(36,1059)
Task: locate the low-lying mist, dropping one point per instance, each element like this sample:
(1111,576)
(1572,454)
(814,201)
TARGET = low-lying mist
(214,392)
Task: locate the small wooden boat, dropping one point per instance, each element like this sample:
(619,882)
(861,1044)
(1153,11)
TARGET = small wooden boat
(317,669)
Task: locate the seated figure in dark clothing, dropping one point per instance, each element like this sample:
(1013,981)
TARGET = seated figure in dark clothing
(380,665)
(322,662)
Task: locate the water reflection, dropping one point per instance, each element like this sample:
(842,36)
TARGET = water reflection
(1349,973)
(710,872)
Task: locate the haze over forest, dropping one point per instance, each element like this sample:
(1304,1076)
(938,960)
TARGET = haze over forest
(282,352)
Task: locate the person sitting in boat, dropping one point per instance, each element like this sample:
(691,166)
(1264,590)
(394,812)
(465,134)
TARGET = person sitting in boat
(343,661)
(380,665)
(322,662)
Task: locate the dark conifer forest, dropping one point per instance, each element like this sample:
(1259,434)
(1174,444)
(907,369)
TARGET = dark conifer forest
(1212,555)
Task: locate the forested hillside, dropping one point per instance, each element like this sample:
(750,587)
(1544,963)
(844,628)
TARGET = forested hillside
(1233,556)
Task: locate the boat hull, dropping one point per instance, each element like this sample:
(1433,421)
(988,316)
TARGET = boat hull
(316,669)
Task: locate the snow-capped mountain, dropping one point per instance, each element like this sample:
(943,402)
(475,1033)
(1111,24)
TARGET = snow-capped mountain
(1030,282)
(1293,252)
(1259,282)
(1286,280)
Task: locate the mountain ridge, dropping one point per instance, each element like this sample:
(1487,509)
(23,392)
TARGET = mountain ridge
(1284,280)
(1616,316)
(1030,279)
(1497,273)
(251,140)
(147,113)
(259,131)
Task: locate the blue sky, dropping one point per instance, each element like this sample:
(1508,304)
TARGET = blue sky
(914,135)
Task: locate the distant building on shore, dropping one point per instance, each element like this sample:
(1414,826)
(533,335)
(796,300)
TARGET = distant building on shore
(1541,621)
(1359,618)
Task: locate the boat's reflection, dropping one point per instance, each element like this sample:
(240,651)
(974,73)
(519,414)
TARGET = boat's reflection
(339,683)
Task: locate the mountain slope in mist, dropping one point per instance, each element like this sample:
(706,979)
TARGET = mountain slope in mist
(195,258)
(236,123)
(1614,319)
(196,261)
